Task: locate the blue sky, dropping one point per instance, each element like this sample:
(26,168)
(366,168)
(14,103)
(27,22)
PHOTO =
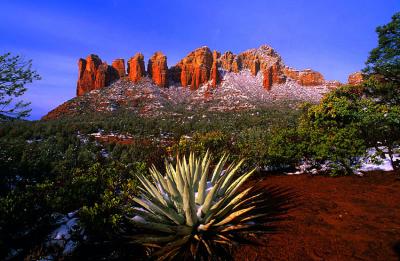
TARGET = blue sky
(333,37)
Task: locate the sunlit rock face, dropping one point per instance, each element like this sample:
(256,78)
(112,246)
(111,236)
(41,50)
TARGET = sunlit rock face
(119,67)
(199,67)
(94,74)
(157,69)
(305,77)
(195,69)
(214,74)
(355,78)
(136,69)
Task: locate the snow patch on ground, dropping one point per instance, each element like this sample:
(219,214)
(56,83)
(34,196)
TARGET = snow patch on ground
(237,91)
(373,161)
(67,235)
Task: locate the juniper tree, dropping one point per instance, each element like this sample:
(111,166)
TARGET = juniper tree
(15,73)
(385,59)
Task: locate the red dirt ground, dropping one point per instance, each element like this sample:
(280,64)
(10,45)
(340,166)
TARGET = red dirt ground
(338,218)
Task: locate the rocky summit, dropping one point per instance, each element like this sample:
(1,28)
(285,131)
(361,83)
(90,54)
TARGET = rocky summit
(204,79)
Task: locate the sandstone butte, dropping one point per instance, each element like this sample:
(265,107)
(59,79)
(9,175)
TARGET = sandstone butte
(158,70)
(136,69)
(94,74)
(119,67)
(199,67)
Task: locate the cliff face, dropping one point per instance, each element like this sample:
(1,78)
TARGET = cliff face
(95,74)
(204,80)
(119,67)
(195,68)
(136,67)
(157,69)
(199,67)
(355,78)
(306,77)
(263,59)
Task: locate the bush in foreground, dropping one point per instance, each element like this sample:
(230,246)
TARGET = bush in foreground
(187,215)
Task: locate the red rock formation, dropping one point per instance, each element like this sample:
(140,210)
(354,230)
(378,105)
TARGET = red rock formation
(102,76)
(263,59)
(214,75)
(355,78)
(89,77)
(195,68)
(311,78)
(158,69)
(248,60)
(291,73)
(119,67)
(267,78)
(306,77)
(226,61)
(94,74)
(333,84)
(136,69)
(277,74)
(236,65)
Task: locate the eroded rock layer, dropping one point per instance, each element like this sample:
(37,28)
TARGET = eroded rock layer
(195,68)
(355,78)
(94,74)
(306,77)
(198,68)
(119,67)
(136,69)
(157,69)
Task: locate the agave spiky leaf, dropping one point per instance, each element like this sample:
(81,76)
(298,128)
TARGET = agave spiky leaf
(191,213)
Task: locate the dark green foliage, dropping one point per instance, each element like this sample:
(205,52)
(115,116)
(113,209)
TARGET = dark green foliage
(332,128)
(385,59)
(351,119)
(381,117)
(63,168)
(57,166)
(15,73)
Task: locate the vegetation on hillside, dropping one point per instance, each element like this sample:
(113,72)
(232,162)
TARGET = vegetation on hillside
(93,164)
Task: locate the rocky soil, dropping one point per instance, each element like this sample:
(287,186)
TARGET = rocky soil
(342,218)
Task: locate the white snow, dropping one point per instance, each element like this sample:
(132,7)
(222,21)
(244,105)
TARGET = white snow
(62,235)
(371,162)
(237,91)
(382,164)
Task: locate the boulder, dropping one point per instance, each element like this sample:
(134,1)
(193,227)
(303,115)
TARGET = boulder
(157,69)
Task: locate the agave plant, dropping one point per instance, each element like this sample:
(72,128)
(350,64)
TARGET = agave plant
(192,213)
